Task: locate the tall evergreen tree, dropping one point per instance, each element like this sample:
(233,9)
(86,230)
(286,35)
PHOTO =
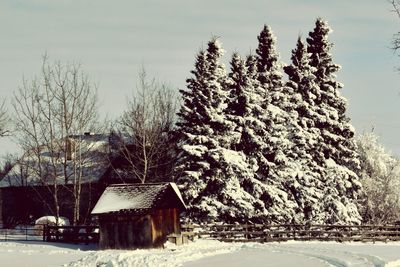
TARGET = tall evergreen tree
(211,174)
(336,129)
(268,63)
(335,152)
(307,187)
(270,80)
(303,94)
(195,139)
(255,148)
(277,118)
(245,110)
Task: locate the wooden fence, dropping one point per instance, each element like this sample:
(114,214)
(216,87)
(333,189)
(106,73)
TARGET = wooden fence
(284,232)
(223,232)
(20,234)
(71,234)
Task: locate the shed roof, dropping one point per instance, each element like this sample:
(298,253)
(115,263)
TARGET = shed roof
(138,198)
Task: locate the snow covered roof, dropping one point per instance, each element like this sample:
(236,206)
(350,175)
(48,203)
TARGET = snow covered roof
(138,198)
(89,152)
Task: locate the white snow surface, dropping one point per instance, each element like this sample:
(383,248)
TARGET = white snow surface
(52,220)
(114,202)
(120,197)
(205,253)
(132,197)
(39,254)
(91,151)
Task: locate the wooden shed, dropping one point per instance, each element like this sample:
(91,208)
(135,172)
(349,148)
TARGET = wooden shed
(138,215)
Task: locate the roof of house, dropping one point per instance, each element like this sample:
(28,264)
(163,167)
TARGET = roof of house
(90,150)
(138,198)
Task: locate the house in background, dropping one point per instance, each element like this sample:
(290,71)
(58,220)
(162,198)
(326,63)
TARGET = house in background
(27,194)
(138,215)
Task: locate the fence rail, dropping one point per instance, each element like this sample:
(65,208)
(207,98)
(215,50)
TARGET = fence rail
(222,232)
(284,232)
(21,234)
(68,234)
(71,234)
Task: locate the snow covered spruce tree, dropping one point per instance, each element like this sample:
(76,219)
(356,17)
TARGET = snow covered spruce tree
(334,151)
(246,109)
(210,173)
(278,121)
(341,158)
(306,187)
(320,188)
(253,148)
(336,129)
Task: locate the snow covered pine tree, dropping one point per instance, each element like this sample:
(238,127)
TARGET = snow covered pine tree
(246,109)
(253,148)
(336,153)
(306,186)
(276,169)
(210,173)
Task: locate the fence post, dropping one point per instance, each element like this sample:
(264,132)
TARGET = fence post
(44,232)
(293,232)
(87,236)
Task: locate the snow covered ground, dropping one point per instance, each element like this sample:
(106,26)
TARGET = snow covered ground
(39,254)
(204,253)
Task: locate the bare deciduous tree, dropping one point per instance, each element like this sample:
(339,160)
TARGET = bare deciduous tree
(145,128)
(49,109)
(4,120)
(7,164)
(396,37)
(380,176)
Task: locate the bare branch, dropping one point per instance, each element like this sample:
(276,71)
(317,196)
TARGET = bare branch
(61,102)
(4,120)
(396,37)
(395,4)
(145,128)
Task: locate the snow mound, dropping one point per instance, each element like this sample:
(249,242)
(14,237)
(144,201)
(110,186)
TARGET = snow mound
(49,220)
(52,220)
(171,256)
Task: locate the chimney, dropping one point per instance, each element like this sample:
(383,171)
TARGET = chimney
(70,148)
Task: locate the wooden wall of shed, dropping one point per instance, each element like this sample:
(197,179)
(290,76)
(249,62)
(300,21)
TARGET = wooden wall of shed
(125,231)
(164,222)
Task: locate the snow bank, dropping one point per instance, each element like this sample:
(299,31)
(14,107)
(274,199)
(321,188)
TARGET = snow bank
(49,220)
(39,254)
(52,220)
(393,264)
(170,256)
(205,253)
(213,253)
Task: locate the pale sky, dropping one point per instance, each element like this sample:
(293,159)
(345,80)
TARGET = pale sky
(112,39)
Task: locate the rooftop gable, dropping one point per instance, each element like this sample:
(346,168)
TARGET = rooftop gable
(90,150)
(138,198)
